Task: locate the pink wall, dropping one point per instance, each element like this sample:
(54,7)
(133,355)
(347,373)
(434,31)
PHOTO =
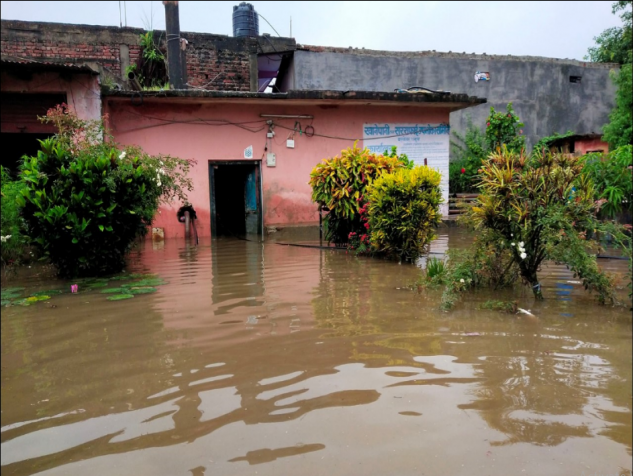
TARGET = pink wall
(287,195)
(82,91)
(582,146)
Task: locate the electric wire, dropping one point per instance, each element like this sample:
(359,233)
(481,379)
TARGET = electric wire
(269,24)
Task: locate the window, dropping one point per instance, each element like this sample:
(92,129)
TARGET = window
(575,79)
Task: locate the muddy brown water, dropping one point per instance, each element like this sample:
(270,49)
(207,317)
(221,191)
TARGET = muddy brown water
(277,360)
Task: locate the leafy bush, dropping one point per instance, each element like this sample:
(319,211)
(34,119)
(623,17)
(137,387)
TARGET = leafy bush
(150,67)
(502,306)
(504,129)
(468,150)
(403,210)
(435,268)
(619,131)
(85,200)
(471,149)
(612,177)
(532,209)
(404,158)
(13,239)
(339,183)
(483,265)
(615,44)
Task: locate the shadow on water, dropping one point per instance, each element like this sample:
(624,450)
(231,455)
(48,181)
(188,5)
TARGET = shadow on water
(301,361)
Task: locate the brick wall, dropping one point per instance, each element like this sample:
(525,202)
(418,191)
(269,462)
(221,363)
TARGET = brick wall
(213,61)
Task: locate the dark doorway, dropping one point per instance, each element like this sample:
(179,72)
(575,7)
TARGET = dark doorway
(21,128)
(15,146)
(235,189)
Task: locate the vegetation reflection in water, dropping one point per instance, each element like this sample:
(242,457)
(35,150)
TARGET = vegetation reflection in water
(300,360)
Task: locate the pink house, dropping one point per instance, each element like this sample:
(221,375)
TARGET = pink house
(254,151)
(580,144)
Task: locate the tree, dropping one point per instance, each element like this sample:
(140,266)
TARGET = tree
(619,131)
(614,44)
(533,209)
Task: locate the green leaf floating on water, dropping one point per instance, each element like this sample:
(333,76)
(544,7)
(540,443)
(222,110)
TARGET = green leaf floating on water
(50,292)
(120,297)
(141,276)
(145,282)
(97,284)
(142,290)
(113,290)
(11,293)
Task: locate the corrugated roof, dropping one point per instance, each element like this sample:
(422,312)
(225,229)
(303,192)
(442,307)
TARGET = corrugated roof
(28,63)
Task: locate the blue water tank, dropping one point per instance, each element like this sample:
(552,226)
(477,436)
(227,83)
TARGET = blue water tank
(245,20)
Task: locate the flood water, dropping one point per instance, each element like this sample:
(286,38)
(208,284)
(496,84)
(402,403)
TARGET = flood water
(279,360)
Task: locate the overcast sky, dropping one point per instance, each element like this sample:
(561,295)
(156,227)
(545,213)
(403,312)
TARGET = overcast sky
(552,29)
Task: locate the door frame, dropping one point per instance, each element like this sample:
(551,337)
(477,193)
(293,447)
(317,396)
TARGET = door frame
(258,183)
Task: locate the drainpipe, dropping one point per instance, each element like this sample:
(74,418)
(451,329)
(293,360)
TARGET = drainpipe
(174,62)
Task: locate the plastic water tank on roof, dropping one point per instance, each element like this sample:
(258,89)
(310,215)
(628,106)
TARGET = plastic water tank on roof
(245,20)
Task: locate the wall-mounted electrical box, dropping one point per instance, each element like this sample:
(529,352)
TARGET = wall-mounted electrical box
(271,159)
(290,143)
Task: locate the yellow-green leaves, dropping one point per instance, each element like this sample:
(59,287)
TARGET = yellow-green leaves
(403,208)
(339,184)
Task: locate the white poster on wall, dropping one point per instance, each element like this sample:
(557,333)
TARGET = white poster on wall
(423,143)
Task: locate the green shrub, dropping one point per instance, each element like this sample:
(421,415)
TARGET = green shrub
(404,158)
(468,152)
(85,200)
(504,129)
(339,183)
(533,209)
(619,131)
(612,178)
(403,210)
(435,268)
(11,224)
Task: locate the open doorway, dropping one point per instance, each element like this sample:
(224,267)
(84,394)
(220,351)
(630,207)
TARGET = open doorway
(235,194)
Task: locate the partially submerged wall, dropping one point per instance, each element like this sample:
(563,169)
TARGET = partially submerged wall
(286,193)
(540,89)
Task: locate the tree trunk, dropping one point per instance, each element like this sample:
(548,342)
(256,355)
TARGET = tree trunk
(531,277)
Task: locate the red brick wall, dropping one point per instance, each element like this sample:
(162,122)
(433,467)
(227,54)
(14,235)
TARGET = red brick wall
(213,61)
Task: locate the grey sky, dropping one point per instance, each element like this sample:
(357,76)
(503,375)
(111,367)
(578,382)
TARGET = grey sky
(552,29)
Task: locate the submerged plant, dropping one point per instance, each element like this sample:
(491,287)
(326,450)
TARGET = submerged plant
(338,185)
(403,211)
(435,268)
(85,199)
(532,209)
(612,178)
(120,297)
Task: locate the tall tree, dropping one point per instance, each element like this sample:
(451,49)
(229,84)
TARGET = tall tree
(615,45)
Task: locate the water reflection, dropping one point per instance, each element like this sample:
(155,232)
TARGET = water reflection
(297,361)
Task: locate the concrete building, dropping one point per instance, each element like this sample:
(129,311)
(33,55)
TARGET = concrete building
(245,180)
(324,100)
(549,95)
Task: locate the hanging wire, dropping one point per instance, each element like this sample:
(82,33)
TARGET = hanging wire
(269,24)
